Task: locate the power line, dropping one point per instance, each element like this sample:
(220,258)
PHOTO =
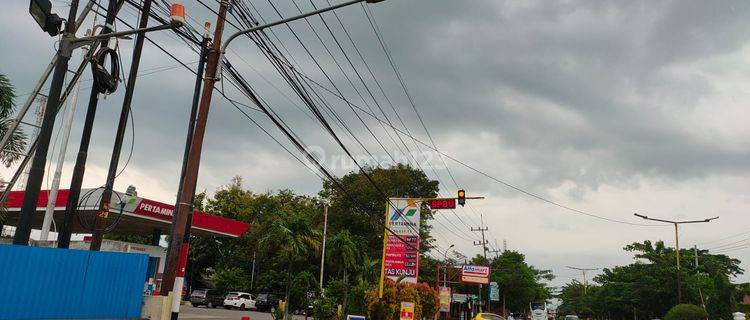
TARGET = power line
(487,175)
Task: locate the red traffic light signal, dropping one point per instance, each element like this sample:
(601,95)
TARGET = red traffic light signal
(461,197)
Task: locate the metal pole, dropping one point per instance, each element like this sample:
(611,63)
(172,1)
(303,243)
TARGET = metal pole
(34,183)
(96,240)
(79,169)
(323,254)
(52,199)
(677,256)
(677,245)
(178,250)
(252,273)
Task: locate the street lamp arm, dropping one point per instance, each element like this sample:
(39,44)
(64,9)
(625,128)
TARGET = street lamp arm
(698,221)
(304,15)
(654,219)
(123,33)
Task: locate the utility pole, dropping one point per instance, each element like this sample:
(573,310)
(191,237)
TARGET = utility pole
(52,198)
(99,224)
(252,273)
(585,282)
(700,292)
(677,244)
(178,250)
(323,253)
(484,242)
(36,174)
(79,169)
(80,166)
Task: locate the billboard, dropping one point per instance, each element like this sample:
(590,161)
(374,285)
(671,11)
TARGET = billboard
(401,260)
(445,299)
(407,311)
(475,274)
(494,291)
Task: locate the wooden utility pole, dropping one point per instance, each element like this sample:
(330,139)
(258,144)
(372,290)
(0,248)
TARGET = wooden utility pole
(178,250)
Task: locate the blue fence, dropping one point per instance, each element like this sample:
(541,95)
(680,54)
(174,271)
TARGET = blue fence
(47,283)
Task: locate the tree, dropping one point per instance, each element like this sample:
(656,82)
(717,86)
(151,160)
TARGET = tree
(686,312)
(17,142)
(290,237)
(647,287)
(231,279)
(519,282)
(361,209)
(344,255)
(576,299)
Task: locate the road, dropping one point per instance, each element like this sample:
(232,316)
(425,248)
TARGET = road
(192,313)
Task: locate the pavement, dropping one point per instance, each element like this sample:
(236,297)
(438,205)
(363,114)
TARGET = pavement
(193,313)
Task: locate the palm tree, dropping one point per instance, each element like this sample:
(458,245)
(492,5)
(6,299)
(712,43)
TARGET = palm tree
(345,254)
(290,237)
(17,141)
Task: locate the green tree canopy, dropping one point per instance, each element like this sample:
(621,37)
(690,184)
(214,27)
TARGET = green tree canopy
(17,141)
(362,209)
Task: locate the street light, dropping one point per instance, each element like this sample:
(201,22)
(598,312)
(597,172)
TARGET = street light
(41,11)
(585,282)
(50,22)
(677,244)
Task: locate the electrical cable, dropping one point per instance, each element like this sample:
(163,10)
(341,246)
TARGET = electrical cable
(482,173)
(105,82)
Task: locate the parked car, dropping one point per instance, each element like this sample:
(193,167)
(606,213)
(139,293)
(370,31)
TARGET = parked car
(240,300)
(488,316)
(209,298)
(267,302)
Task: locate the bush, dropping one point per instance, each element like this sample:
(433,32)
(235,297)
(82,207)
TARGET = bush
(324,308)
(686,312)
(231,279)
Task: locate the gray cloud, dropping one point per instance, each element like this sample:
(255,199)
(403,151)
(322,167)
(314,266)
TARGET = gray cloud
(601,104)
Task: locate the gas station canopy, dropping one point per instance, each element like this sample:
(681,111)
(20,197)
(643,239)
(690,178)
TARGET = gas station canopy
(140,216)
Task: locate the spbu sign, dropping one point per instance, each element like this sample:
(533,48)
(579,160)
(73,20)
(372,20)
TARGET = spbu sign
(401,256)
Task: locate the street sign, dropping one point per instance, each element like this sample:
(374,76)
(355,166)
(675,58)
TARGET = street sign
(445,299)
(407,311)
(475,274)
(402,260)
(444,203)
(494,291)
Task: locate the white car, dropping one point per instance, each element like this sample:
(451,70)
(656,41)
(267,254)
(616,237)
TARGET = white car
(239,300)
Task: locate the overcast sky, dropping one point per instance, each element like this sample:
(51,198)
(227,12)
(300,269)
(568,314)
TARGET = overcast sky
(608,107)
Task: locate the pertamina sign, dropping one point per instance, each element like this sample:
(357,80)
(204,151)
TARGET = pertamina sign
(475,274)
(401,260)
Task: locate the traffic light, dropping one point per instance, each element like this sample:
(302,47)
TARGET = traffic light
(461,197)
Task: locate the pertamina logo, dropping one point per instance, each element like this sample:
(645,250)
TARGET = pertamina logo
(400,212)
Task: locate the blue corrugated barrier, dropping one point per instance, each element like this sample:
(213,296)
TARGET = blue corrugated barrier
(47,283)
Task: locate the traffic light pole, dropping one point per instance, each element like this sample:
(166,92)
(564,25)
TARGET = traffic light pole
(36,173)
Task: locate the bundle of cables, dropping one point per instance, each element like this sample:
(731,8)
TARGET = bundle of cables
(87,211)
(106,81)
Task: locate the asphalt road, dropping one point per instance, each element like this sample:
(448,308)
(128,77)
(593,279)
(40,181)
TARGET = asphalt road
(192,313)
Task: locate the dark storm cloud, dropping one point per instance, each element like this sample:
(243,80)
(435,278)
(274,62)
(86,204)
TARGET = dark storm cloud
(578,90)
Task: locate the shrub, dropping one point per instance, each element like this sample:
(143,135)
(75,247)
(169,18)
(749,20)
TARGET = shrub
(685,312)
(324,308)
(394,293)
